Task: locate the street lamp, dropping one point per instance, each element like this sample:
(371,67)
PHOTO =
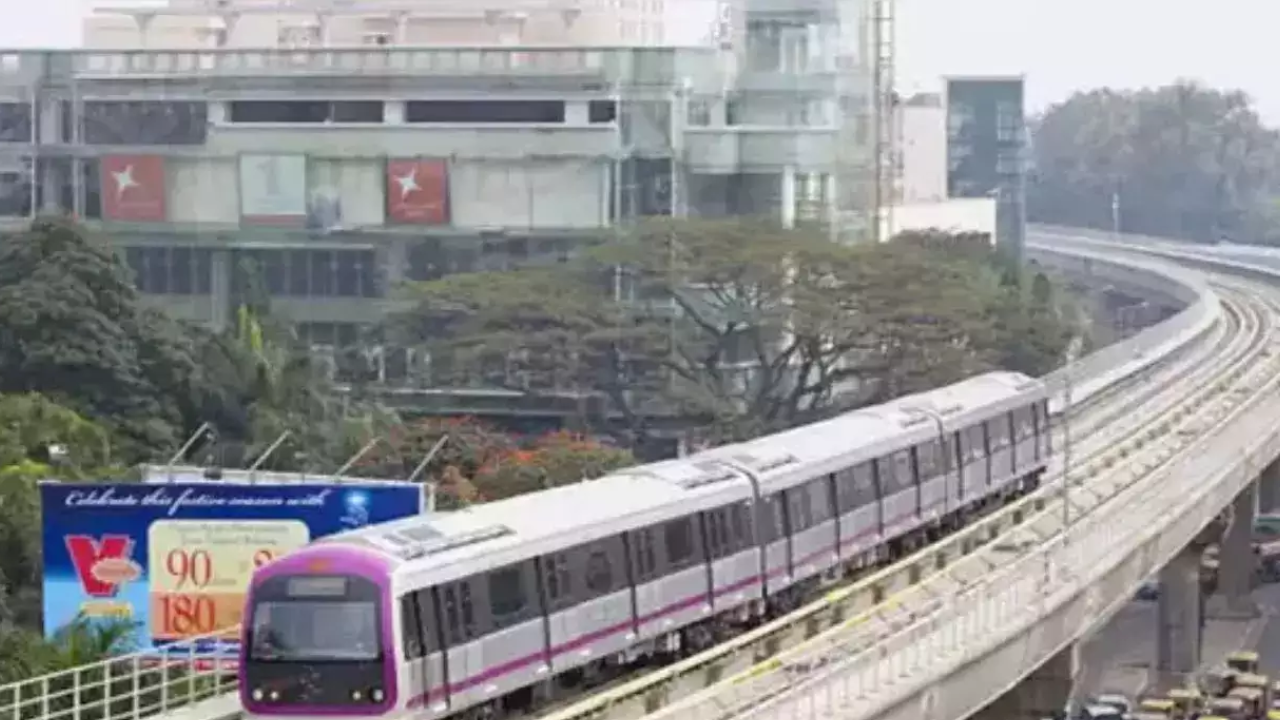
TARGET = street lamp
(1066,449)
(1115,216)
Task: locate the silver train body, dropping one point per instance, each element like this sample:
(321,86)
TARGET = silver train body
(505,604)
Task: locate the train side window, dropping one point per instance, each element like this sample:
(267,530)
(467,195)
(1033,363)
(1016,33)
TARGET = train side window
(1024,423)
(598,573)
(846,492)
(711,531)
(678,537)
(865,491)
(798,510)
(998,433)
(740,517)
(927,460)
(903,477)
(508,596)
(645,558)
(820,499)
(458,615)
(557,580)
(950,453)
(770,518)
(430,620)
(467,608)
(411,627)
(976,439)
(885,474)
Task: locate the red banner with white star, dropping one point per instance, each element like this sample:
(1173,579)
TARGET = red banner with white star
(133,188)
(418,191)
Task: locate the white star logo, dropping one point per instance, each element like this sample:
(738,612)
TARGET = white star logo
(408,183)
(124,181)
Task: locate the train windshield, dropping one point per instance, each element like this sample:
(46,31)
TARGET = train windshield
(311,619)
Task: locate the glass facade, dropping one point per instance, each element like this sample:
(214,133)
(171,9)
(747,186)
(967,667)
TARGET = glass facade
(986,140)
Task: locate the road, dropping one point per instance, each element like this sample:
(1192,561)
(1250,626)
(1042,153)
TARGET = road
(1120,658)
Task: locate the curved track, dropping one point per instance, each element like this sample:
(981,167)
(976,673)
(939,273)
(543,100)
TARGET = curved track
(1105,431)
(842,670)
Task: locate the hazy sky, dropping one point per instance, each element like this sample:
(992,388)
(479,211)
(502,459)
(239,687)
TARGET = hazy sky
(1060,45)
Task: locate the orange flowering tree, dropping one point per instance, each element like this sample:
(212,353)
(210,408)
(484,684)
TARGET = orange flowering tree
(558,458)
(480,463)
(471,444)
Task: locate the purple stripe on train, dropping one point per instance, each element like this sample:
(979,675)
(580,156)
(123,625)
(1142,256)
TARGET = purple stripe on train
(498,671)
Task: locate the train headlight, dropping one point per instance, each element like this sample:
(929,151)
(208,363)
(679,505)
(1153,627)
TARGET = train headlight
(356,694)
(376,695)
(275,695)
(257,694)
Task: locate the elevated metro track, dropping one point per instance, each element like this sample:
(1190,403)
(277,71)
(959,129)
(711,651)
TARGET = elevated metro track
(960,639)
(1137,408)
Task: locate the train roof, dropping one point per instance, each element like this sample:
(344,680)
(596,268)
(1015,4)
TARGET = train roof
(439,547)
(794,456)
(490,535)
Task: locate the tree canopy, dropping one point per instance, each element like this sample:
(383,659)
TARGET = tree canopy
(1182,160)
(747,326)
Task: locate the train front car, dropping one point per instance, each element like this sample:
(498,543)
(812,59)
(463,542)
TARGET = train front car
(318,635)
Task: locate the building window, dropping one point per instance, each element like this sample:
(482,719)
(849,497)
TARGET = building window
(699,112)
(314,273)
(1008,122)
(171,270)
(959,117)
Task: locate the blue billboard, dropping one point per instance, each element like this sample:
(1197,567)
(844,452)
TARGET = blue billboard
(177,558)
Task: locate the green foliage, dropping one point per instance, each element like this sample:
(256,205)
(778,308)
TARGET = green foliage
(1185,161)
(71,328)
(92,380)
(744,325)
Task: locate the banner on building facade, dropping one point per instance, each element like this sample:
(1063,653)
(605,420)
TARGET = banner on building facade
(133,188)
(418,191)
(273,189)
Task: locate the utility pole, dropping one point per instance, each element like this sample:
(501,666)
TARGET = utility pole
(1115,216)
(883,119)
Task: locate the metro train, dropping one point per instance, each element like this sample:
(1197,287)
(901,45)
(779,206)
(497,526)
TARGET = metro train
(504,605)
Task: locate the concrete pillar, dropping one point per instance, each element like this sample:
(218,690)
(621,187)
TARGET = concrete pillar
(1180,618)
(220,296)
(1269,488)
(1043,693)
(788,196)
(1237,564)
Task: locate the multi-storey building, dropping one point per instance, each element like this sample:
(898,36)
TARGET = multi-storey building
(322,23)
(342,171)
(922,166)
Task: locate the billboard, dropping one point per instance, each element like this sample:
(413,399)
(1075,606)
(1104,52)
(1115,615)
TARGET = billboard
(273,189)
(986,141)
(133,188)
(177,558)
(418,191)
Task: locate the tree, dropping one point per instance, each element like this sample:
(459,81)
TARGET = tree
(39,440)
(72,328)
(1183,161)
(715,319)
(743,326)
(552,460)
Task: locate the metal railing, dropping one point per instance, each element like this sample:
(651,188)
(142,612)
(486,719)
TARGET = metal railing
(141,684)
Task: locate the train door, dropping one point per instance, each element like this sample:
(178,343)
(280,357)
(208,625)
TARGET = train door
(423,671)
(464,659)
